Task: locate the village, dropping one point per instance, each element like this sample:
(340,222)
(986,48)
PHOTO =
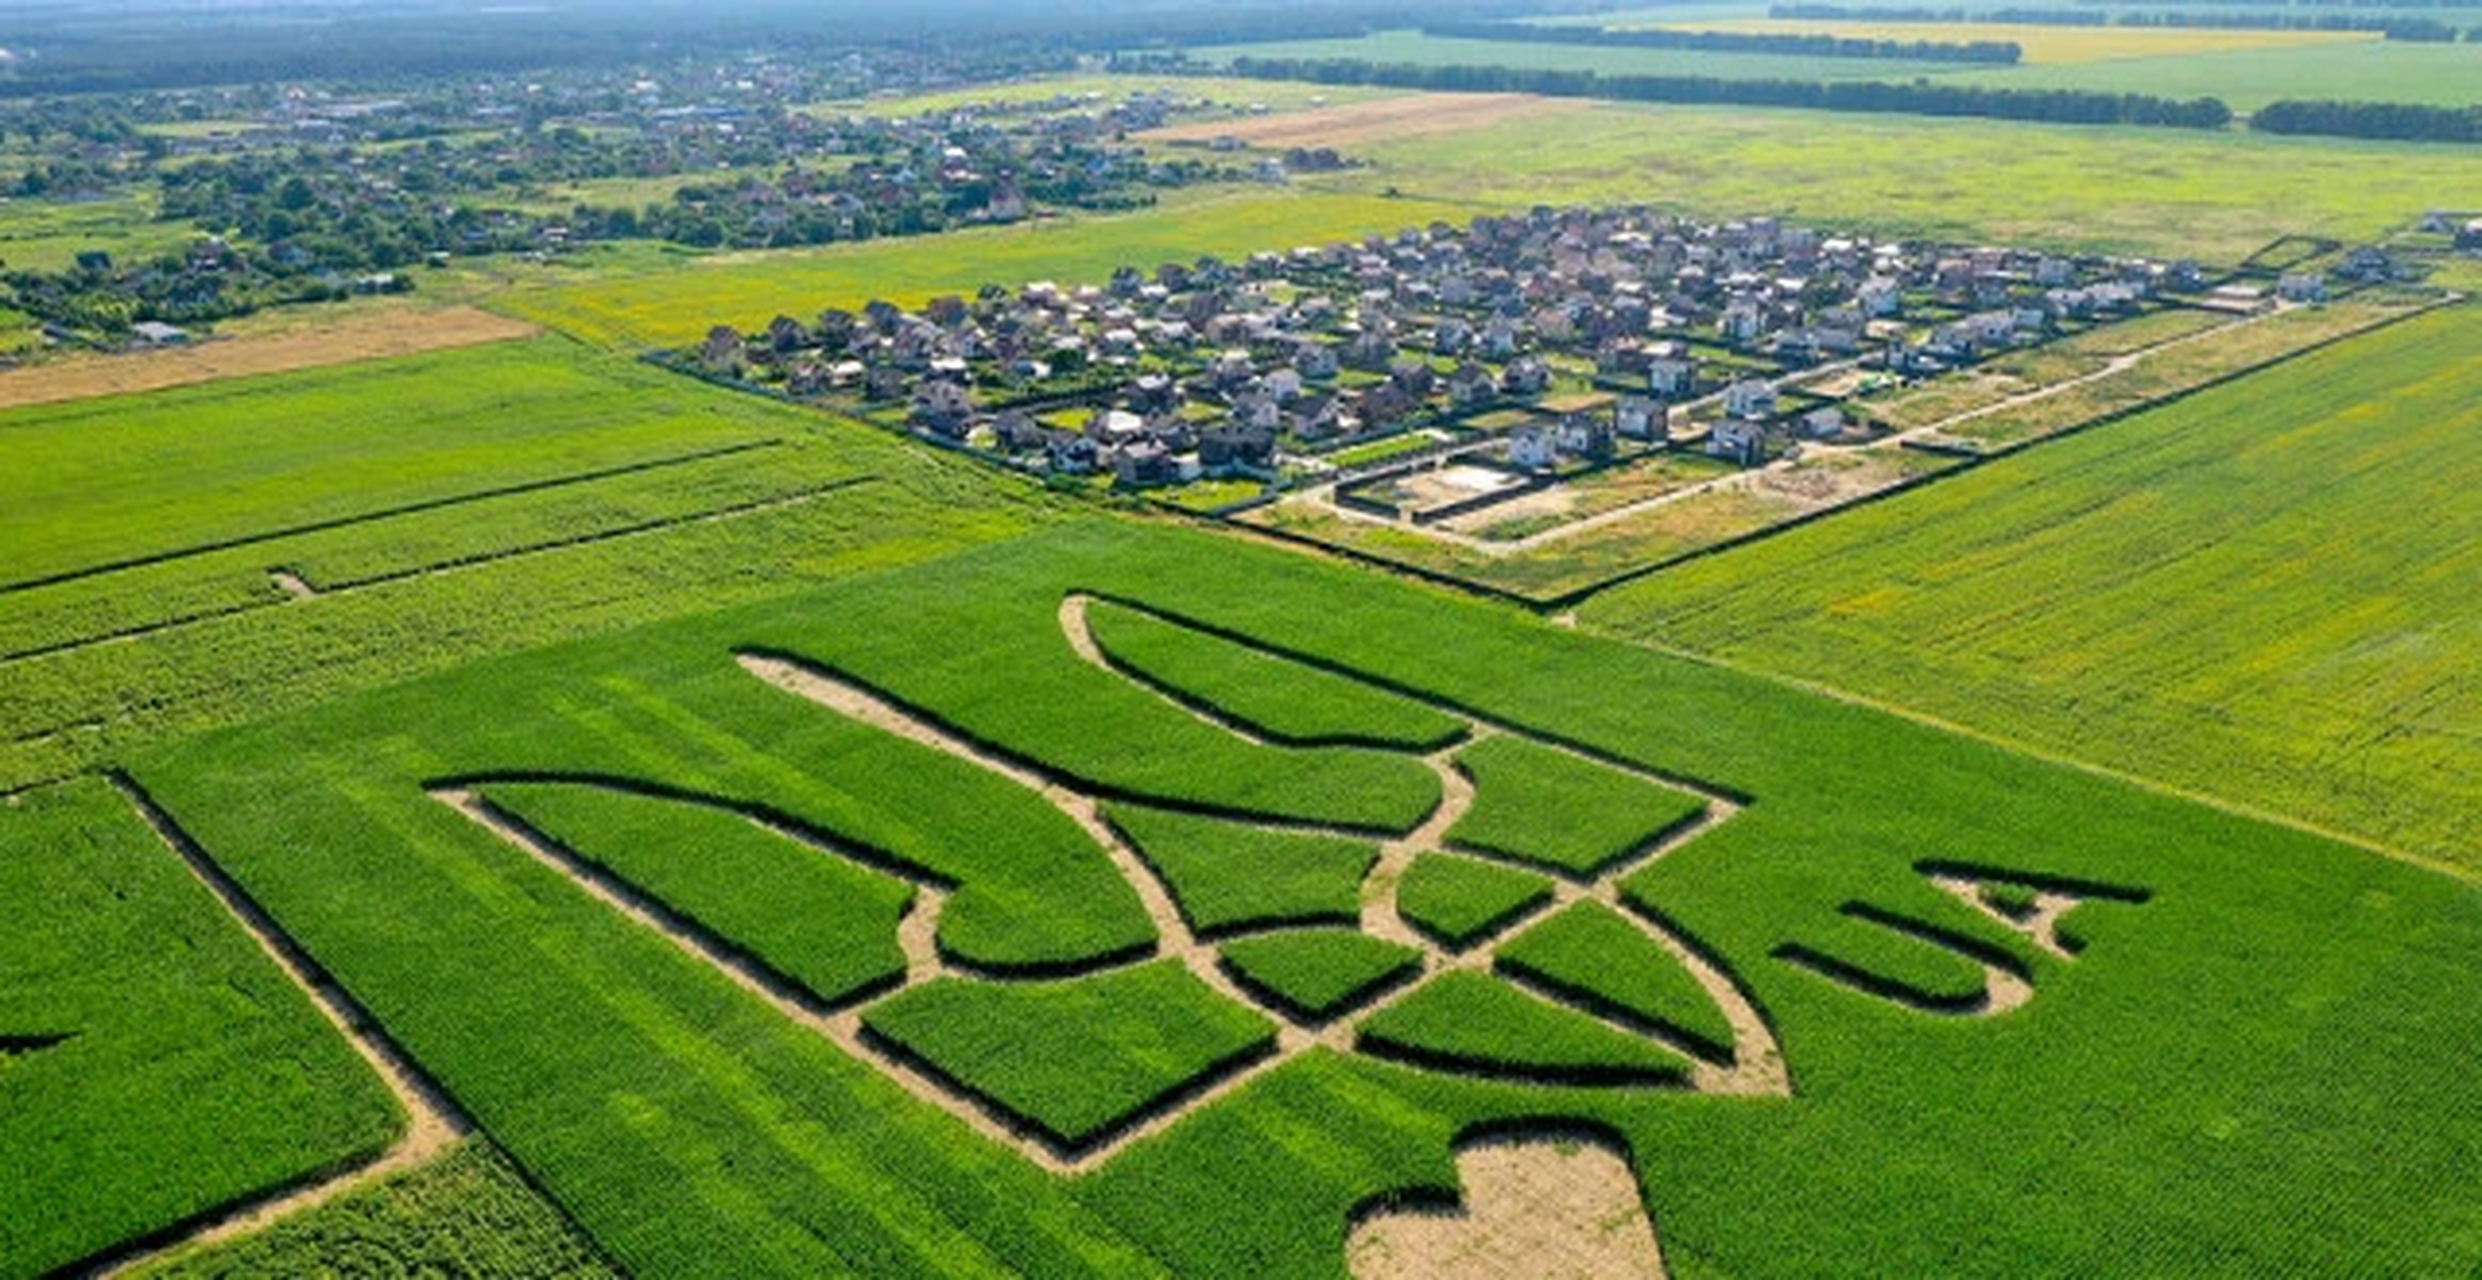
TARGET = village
(1503,356)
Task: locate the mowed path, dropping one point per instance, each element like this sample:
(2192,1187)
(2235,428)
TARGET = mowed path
(369,336)
(1414,116)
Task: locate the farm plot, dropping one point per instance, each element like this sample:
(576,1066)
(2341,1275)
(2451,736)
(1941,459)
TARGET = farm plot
(469,1212)
(155,1067)
(2301,999)
(272,540)
(671,303)
(2165,192)
(2205,594)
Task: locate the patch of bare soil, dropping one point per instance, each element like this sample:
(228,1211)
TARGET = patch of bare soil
(1534,1206)
(367,337)
(1413,116)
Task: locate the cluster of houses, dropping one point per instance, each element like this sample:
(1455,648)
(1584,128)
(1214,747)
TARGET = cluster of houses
(1209,368)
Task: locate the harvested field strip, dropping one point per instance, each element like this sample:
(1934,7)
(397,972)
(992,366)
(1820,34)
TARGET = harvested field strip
(340,341)
(389,513)
(433,1123)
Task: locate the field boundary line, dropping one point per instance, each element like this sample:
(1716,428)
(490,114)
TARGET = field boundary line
(388,513)
(433,1122)
(755,506)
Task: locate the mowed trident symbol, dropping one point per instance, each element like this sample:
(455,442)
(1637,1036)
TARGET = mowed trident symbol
(1493,939)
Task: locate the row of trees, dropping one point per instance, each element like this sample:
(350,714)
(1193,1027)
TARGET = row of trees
(2392,26)
(2371,120)
(1999,52)
(1919,97)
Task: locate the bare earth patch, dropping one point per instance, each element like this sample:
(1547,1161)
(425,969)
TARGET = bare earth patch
(1419,115)
(1534,1206)
(366,337)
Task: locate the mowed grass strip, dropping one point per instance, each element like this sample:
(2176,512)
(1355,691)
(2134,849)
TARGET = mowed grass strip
(1272,696)
(807,914)
(2262,593)
(157,1064)
(1544,806)
(1227,876)
(1472,1022)
(1593,954)
(1077,1058)
(1458,900)
(1316,973)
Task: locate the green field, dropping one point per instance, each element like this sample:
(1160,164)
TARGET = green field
(154,1063)
(2252,1008)
(636,299)
(2246,69)
(467,1213)
(2213,594)
(1416,49)
(2154,191)
(419,497)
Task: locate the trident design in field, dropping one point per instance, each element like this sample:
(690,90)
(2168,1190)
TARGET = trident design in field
(1751,1064)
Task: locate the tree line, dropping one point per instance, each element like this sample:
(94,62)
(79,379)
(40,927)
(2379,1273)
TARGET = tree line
(1919,97)
(1798,44)
(2390,120)
(2391,26)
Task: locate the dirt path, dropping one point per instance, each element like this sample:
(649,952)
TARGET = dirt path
(1410,116)
(2040,925)
(364,337)
(1534,1206)
(433,1122)
(292,584)
(1759,1064)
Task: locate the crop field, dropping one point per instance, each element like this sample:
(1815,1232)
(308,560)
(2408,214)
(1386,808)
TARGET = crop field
(371,333)
(1418,49)
(638,301)
(2196,594)
(154,1064)
(469,1212)
(2171,193)
(349,524)
(1888,948)
(2049,45)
